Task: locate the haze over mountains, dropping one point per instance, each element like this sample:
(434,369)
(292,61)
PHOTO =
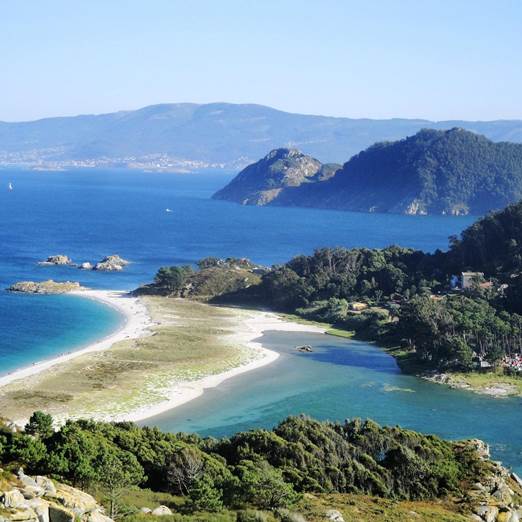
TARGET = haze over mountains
(218,134)
(453,172)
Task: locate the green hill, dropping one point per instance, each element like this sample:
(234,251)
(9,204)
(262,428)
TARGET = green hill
(453,172)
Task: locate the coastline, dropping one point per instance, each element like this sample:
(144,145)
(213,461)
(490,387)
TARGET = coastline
(181,393)
(136,323)
(157,395)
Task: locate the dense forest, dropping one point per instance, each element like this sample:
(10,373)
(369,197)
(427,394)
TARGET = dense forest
(432,172)
(264,469)
(396,296)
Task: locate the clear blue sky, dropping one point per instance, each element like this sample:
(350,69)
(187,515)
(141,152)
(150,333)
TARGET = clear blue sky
(437,59)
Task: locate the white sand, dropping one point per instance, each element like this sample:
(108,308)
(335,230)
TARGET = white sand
(254,326)
(138,323)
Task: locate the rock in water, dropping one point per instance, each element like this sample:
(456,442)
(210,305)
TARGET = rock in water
(44,287)
(112,263)
(59,259)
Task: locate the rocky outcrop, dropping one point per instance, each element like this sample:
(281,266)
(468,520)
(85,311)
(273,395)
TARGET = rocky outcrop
(265,182)
(112,263)
(450,172)
(39,499)
(496,498)
(44,287)
(59,259)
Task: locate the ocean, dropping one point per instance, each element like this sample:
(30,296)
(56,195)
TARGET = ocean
(92,213)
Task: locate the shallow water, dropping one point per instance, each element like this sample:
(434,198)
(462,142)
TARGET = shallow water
(345,379)
(89,214)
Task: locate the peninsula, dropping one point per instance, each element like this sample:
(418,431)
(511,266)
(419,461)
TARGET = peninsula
(166,352)
(450,172)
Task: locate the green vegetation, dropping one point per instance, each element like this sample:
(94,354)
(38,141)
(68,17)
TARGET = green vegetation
(215,277)
(135,372)
(433,172)
(403,298)
(272,471)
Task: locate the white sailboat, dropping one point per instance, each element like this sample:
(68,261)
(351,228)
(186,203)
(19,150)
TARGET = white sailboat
(10,186)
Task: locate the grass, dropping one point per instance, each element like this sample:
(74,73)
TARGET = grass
(190,342)
(312,507)
(481,381)
(369,509)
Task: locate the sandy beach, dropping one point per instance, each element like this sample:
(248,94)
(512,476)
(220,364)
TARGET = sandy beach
(159,391)
(136,323)
(253,328)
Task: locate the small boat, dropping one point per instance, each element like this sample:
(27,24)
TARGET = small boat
(304,348)
(168,210)
(10,186)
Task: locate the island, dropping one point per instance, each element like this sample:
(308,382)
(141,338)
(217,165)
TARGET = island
(451,172)
(45,287)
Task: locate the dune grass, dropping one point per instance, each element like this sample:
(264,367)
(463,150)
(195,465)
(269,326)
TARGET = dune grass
(190,341)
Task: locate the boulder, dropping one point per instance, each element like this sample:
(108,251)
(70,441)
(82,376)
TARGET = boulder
(111,264)
(161,511)
(86,266)
(30,492)
(146,510)
(75,499)
(46,484)
(60,514)
(334,515)
(41,508)
(23,515)
(13,499)
(487,513)
(503,493)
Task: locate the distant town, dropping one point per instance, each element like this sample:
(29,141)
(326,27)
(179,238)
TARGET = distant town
(49,159)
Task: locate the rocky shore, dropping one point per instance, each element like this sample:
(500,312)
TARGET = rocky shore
(497,497)
(492,385)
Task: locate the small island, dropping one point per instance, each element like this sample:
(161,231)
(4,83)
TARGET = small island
(45,287)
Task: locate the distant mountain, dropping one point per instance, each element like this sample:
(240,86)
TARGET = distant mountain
(216,133)
(433,172)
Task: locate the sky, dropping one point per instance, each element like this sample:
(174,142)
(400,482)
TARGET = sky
(434,59)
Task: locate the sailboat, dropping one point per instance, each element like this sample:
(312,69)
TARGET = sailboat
(10,186)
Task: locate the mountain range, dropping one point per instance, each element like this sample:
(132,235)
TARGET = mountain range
(453,172)
(219,134)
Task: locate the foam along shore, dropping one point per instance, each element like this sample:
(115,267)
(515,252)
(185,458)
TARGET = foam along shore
(167,353)
(136,323)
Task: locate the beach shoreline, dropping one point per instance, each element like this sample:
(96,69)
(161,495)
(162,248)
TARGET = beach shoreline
(136,323)
(181,393)
(248,326)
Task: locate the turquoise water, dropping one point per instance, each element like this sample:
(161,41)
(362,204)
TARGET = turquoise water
(345,379)
(35,327)
(89,214)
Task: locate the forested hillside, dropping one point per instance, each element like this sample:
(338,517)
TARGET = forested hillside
(452,172)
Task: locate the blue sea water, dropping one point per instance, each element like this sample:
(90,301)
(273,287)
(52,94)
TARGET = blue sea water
(89,214)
